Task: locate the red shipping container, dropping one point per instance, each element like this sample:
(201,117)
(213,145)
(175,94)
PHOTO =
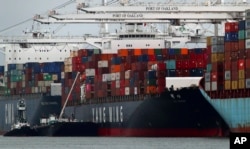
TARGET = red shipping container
(186,73)
(122,91)
(179,64)
(161,74)
(241,64)
(234,66)
(122,83)
(76,60)
(247,73)
(247,53)
(235,76)
(234,56)
(117,91)
(241,54)
(192,64)
(242,44)
(151,58)
(217,66)
(231,27)
(214,76)
(227,65)
(247,63)
(82,52)
(161,82)
(201,63)
(160,89)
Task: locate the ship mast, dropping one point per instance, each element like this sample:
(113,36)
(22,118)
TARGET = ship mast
(60,116)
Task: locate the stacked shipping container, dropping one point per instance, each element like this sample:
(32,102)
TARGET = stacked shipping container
(1,75)
(30,78)
(231,70)
(129,72)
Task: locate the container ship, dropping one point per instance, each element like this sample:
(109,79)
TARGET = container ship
(226,83)
(125,78)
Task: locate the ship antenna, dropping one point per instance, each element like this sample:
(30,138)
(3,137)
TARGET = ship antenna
(60,116)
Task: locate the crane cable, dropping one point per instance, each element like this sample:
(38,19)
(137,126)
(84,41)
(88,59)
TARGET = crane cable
(22,22)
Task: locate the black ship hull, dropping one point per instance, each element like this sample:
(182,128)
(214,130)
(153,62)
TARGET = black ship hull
(181,113)
(23,131)
(38,105)
(68,129)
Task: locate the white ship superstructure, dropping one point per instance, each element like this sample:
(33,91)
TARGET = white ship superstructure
(137,28)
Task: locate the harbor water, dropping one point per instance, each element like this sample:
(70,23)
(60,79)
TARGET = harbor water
(112,143)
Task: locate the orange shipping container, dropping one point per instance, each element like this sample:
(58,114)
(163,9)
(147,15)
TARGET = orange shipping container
(184,51)
(123,52)
(137,52)
(151,90)
(151,52)
(115,68)
(241,84)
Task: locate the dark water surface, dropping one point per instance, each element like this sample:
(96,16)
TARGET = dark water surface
(111,143)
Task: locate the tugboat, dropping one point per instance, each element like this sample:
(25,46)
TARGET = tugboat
(54,126)
(21,127)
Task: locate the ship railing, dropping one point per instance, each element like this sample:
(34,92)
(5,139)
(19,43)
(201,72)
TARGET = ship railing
(125,98)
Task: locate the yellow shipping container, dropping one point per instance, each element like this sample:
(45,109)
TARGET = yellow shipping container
(234,85)
(209,41)
(217,57)
(241,83)
(227,85)
(241,74)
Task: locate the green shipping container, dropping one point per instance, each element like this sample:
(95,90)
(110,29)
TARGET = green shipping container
(170,64)
(158,51)
(16,78)
(47,77)
(151,82)
(209,67)
(241,34)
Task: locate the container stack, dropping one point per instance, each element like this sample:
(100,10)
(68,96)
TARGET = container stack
(231,73)
(1,75)
(129,72)
(31,78)
(79,61)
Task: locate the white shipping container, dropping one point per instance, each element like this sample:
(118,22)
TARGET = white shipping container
(127,74)
(117,76)
(19,66)
(214,86)
(12,84)
(62,75)
(247,34)
(23,84)
(113,76)
(90,72)
(56,89)
(247,13)
(247,25)
(207,86)
(34,89)
(228,75)
(247,43)
(247,83)
(127,91)
(106,77)
(207,77)
(117,83)
(135,91)
(44,89)
(41,83)
(102,64)
(54,77)
(48,83)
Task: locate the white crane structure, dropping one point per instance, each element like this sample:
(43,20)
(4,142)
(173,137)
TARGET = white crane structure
(137,17)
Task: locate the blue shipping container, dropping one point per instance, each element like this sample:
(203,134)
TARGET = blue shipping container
(242,25)
(233,36)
